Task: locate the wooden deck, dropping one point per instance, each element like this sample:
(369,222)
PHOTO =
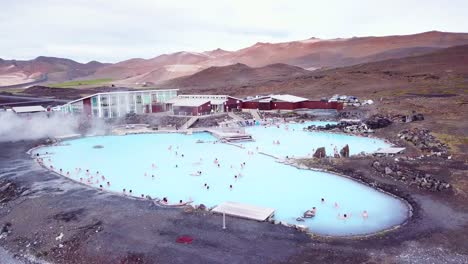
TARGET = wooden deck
(244,211)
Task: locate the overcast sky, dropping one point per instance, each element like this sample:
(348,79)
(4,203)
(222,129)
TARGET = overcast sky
(115,30)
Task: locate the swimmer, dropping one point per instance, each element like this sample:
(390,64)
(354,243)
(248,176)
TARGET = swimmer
(219,166)
(206,185)
(182,155)
(309,214)
(68,173)
(152,176)
(230,186)
(103,178)
(176,166)
(180,201)
(100,186)
(142,196)
(215,161)
(169,148)
(365,215)
(336,205)
(235,176)
(277,142)
(97,172)
(130,191)
(81,179)
(322,200)
(344,216)
(146,174)
(108,183)
(164,200)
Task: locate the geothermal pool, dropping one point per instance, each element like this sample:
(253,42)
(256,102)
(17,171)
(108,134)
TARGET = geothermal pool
(165,165)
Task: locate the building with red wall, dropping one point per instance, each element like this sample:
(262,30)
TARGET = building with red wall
(217,103)
(194,107)
(287,102)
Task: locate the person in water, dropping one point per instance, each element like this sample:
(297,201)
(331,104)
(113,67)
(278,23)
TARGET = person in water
(344,216)
(365,215)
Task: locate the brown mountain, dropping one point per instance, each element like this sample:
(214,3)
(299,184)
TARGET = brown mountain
(224,78)
(317,53)
(309,54)
(160,68)
(42,68)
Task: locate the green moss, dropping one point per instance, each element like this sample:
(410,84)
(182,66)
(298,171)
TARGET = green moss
(72,84)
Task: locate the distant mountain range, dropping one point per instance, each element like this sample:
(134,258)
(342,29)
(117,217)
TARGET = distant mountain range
(287,57)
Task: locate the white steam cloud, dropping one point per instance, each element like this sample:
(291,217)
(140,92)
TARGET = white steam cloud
(15,127)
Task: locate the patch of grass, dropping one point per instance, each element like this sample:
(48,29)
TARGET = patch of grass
(72,84)
(454,142)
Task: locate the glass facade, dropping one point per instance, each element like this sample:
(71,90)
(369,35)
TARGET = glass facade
(118,104)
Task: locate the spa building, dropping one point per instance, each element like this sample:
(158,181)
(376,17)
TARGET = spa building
(118,104)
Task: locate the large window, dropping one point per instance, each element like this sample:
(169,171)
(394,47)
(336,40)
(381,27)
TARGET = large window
(104,101)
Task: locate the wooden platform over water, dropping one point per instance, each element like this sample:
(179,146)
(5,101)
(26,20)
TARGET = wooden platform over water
(244,211)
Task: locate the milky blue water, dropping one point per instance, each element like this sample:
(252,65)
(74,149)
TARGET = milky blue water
(127,162)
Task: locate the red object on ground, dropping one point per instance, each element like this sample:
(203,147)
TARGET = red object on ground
(184,240)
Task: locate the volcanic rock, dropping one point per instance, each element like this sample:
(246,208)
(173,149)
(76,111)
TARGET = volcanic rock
(345,151)
(320,153)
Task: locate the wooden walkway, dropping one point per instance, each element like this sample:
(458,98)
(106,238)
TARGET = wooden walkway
(244,211)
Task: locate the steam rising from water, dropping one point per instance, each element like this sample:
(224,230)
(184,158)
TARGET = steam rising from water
(15,127)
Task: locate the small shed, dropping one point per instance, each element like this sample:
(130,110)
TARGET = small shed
(28,109)
(389,151)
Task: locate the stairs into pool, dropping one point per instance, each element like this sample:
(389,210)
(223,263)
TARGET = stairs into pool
(189,122)
(246,211)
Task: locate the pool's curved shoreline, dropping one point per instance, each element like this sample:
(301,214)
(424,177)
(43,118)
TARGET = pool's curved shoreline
(295,164)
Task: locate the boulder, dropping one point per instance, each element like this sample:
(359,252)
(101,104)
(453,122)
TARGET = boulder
(417,117)
(378,121)
(388,170)
(320,153)
(345,151)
